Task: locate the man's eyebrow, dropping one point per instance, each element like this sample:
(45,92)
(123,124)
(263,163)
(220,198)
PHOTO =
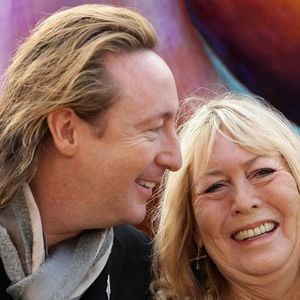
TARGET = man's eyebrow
(166,115)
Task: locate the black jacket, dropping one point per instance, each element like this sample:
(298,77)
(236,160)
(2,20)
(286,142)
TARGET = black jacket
(128,267)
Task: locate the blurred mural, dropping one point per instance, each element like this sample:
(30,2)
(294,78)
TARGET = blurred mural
(259,41)
(250,45)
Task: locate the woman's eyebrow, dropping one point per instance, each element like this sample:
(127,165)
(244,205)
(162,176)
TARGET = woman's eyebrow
(246,163)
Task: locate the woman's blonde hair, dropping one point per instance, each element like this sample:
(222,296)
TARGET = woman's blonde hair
(61,64)
(254,125)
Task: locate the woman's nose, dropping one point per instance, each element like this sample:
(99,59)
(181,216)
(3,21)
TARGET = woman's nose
(244,199)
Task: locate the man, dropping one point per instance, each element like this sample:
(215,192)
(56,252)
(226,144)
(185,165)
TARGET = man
(86,132)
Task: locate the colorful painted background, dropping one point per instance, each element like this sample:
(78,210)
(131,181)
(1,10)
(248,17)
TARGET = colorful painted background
(244,45)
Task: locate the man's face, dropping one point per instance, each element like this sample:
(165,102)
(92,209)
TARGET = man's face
(119,170)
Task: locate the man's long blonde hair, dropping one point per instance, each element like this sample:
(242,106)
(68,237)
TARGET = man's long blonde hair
(61,64)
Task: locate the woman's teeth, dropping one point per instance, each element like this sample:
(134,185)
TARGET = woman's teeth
(250,233)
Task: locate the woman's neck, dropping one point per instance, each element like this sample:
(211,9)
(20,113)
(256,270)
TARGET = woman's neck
(277,288)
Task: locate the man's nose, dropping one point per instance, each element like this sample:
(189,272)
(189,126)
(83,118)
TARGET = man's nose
(170,155)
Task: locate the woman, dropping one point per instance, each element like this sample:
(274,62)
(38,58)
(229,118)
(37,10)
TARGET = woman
(229,220)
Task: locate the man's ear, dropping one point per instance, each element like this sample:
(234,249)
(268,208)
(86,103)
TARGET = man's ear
(62,124)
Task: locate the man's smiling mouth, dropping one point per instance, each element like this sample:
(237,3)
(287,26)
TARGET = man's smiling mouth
(147,184)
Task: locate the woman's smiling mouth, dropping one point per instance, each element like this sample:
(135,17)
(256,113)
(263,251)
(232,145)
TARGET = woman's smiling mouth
(255,231)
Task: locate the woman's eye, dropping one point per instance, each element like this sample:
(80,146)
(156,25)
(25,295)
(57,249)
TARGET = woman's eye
(263,172)
(214,188)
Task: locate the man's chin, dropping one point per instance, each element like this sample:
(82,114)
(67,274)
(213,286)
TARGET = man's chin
(137,217)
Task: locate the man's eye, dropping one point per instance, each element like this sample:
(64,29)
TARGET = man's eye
(156,129)
(214,188)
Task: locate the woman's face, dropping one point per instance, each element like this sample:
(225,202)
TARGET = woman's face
(247,211)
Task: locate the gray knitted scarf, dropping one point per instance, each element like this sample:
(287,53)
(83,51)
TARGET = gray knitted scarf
(67,271)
